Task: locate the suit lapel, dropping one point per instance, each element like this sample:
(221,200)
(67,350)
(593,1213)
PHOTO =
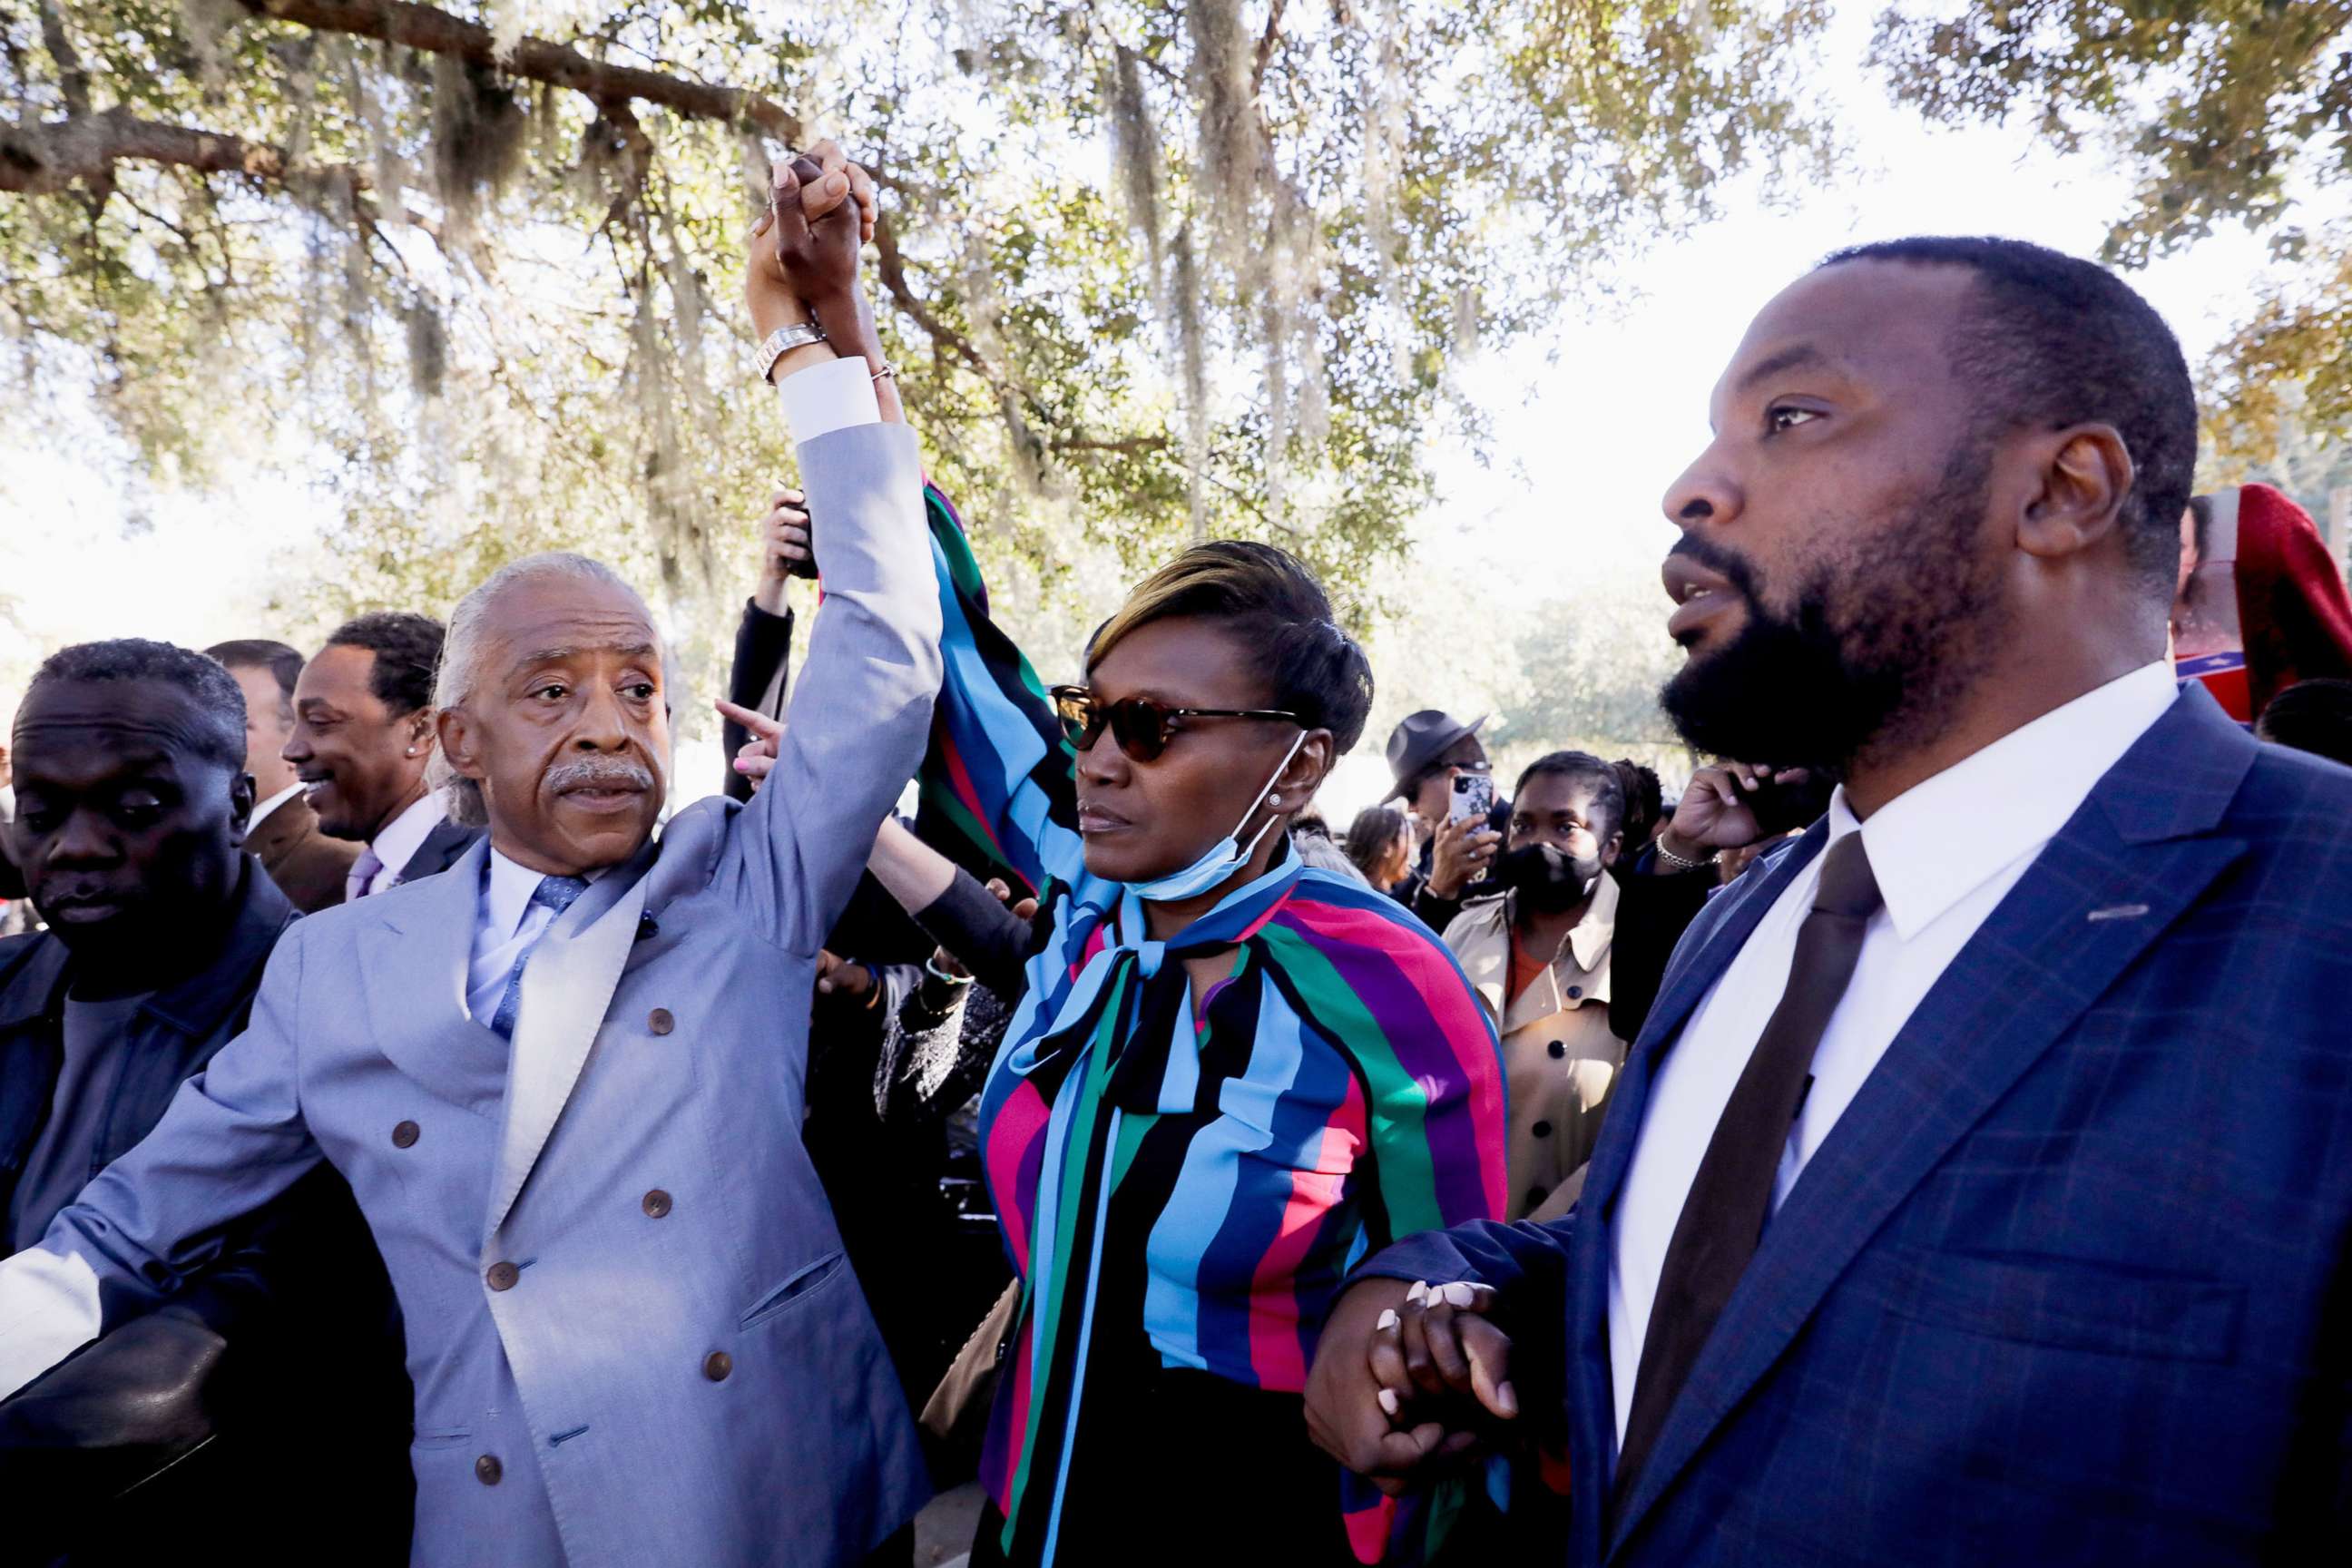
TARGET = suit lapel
(2108,886)
(413,974)
(566,987)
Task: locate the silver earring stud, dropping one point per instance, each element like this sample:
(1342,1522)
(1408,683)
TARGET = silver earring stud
(1274,800)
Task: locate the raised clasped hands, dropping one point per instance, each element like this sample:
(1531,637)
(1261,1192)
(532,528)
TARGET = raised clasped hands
(1409,1380)
(800,256)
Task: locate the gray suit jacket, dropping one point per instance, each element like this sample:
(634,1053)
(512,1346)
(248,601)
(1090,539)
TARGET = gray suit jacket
(633,1337)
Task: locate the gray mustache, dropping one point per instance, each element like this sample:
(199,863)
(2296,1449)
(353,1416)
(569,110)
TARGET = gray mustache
(599,772)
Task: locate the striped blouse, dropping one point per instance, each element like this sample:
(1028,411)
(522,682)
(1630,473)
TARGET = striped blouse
(1342,1088)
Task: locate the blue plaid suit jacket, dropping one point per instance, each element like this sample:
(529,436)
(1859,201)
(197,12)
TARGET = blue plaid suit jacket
(2071,1281)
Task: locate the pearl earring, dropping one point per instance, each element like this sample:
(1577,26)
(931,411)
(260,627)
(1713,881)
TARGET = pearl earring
(1274,800)
(412,751)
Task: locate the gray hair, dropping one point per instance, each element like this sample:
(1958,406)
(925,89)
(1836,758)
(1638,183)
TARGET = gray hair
(470,639)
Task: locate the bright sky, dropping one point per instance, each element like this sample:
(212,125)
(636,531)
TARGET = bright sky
(1590,423)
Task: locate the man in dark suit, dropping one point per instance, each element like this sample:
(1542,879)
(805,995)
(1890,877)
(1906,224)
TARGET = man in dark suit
(309,867)
(362,736)
(134,797)
(1979,1188)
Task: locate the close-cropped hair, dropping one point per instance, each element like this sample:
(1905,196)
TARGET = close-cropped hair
(218,701)
(2052,341)
(407,648)
(1645,799)
(283,663)
(1267,599)
(1608,789)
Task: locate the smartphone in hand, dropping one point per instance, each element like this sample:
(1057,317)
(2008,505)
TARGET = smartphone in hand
(1474,796)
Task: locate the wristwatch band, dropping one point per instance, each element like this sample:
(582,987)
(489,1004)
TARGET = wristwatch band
(783,341)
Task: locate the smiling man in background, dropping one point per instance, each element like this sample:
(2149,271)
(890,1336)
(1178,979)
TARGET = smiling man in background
(309,868)
(363,739)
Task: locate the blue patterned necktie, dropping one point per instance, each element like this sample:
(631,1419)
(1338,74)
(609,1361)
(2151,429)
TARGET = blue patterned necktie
(556,893)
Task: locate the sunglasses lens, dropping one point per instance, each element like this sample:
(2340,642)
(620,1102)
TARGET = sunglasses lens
(1140,728)
(1081,720)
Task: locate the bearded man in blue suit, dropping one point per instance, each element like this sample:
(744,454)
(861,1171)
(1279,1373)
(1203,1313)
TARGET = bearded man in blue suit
(565,1078)
(1979,1189)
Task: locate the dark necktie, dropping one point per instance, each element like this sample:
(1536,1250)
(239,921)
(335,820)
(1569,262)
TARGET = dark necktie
(556,893)
(1730,1198)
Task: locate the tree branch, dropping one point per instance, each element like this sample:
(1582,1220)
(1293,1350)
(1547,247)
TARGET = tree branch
(41,158)
(435,32)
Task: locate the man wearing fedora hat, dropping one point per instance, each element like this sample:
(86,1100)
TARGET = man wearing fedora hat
(1426,752)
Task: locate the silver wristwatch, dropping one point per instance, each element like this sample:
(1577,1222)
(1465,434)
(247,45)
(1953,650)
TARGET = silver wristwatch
(783,341)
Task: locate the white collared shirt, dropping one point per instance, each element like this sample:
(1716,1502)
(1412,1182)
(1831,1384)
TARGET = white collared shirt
(506,923)
(253,824)
(1946,852)
(398,843)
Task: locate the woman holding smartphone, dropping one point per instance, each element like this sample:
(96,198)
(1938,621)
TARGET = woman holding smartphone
(1229,1076)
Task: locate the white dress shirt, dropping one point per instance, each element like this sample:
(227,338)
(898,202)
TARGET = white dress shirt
(263,809)
(1945,853)
(402,837)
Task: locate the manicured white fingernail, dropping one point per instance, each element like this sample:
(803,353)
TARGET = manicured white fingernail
(1389,1319)
(1420,1291)
(1459,1294)
(1388,1401)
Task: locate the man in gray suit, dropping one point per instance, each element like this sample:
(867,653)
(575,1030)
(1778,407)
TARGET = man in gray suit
(565,1078)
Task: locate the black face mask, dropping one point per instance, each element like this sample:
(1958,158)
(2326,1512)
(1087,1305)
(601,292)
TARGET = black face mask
(1546,876)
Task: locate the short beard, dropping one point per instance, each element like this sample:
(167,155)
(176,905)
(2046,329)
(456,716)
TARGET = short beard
(1882,643)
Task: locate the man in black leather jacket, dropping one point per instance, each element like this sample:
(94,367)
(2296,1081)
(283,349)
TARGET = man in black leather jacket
(267,1409)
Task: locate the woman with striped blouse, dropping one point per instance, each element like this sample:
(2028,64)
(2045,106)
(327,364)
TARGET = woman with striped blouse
(1229,1076)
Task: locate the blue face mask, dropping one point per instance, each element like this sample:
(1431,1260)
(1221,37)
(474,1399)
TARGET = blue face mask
(1223,857)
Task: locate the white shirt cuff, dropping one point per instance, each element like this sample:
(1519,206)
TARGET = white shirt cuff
(48,1309)
(827,397)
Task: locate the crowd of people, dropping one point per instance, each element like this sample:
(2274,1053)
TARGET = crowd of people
(1925,1137)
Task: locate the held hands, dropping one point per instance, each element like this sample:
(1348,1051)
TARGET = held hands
(1408,1379)
(1465,850)
(1718,809)
(800,256)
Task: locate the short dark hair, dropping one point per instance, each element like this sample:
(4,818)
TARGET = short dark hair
(219,702)
(407,648)
(1608,793)
(1645,799)
(2313,716)
(2056,340)
(1273,603)
(261,653)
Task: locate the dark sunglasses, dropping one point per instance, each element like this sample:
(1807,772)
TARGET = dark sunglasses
(1142,726)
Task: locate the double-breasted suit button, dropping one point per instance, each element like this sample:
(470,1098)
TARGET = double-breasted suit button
(486,1469)
(660,1021)
(1541,1129)
(656,1204)
(1576,992)
(1559,1049)
(717,1365)
(405,1135)
(502,1275)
